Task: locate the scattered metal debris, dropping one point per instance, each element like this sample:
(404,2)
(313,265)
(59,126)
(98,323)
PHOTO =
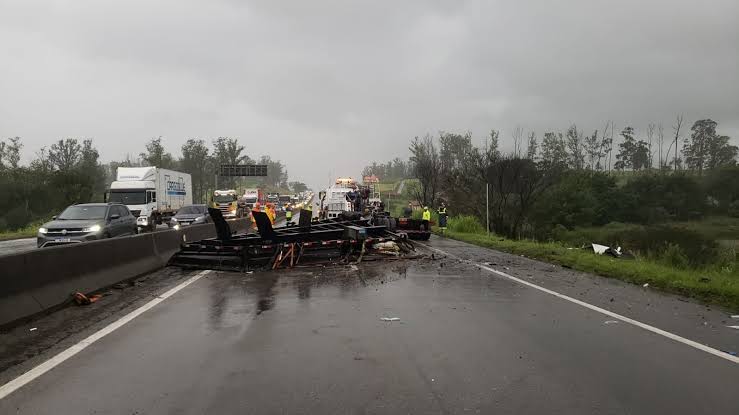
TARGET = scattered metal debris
(318,243)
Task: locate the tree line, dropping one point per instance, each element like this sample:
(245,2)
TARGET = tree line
(573,179)
(69,171)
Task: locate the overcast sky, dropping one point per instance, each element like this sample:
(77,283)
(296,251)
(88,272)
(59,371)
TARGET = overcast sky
(327,86)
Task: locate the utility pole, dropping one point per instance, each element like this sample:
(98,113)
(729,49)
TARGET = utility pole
(487,210)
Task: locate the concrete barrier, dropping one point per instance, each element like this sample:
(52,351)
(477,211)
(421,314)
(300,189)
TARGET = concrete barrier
(39,280)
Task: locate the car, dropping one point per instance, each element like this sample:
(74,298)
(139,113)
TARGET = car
(189,215)
(87,222)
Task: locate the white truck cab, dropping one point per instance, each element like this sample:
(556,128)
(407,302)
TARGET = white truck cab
(153,195)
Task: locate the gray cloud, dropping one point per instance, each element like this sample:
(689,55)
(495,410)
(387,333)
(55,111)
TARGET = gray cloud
(327,86)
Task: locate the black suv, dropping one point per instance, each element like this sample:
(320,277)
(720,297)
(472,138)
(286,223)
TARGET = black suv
(87,222)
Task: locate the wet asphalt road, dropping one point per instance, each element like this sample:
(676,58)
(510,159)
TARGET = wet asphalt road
(15,246)
(311,341)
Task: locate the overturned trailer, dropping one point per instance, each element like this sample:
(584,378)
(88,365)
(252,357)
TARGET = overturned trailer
(338,240)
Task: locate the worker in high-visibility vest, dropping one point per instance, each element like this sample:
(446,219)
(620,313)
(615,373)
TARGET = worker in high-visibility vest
(288,212)
(426,218)
(257,208)
(271,214)
(443,216)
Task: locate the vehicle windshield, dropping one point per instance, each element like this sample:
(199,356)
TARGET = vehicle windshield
(224,198)
(250,199)
(189,210)
(128,197)
(83,213)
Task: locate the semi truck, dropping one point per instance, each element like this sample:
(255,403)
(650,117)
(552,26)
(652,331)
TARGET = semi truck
(252,197)
(153,195)
(227,201)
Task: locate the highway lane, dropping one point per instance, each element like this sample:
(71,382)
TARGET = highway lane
(311,341)
(15,246)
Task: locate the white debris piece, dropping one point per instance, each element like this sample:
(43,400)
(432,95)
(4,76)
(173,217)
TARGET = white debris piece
(645,285)
(33,329)
(736,316)
(600,249)
(733,327)
(390,319)
(610,322)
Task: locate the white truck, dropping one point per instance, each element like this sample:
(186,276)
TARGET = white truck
(153,195)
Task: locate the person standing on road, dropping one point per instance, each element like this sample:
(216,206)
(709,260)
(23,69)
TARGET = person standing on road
(257,207)
(408,210)
(426,217)
(271,213)
(442,217)
(288,213)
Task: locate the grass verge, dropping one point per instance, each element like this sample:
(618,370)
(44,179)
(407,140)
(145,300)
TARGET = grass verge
(27,232)
(713,286)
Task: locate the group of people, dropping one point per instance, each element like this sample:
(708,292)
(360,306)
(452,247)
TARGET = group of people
(426,215)
(357,197)
(269,209)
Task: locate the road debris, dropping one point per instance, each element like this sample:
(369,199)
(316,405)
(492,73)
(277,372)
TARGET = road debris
(645,285)
(390,319)
(81,299)
(733,327)
(33,329)
(611,322)
(120,286)
(735,316)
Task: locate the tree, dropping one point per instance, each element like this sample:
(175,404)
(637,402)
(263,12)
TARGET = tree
(532,147)
(227,150)
(593,150)
(576,152)
(196,162)
(298,187)
(156,155)
(553,151)
(11,152)
(426,166)
(65,154)
(706,149)
(632,154)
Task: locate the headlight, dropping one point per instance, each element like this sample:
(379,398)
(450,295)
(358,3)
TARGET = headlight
(176,227)
(174,219)
(93,228)
(200,219)
(42,230)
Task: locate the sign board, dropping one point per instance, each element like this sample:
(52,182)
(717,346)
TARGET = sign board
(243,170)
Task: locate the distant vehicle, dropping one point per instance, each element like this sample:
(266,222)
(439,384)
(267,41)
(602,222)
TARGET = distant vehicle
(334,198)
(252,197)
(152,194)
(87,222)
(273,198)
(227,201)
(190,215)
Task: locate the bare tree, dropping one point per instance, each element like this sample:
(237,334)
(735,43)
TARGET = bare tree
(426,164)
(661,143)
(517,141)
(533,147)
(650,138)
(676,128)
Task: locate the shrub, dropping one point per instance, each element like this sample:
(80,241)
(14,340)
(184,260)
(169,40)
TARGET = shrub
(465,224)
(675,257)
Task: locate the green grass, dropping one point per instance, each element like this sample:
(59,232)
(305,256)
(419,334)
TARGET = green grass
(721,287)
(27,232)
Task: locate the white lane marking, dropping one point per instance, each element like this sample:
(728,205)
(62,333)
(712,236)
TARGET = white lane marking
(625,319)
(46,366)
